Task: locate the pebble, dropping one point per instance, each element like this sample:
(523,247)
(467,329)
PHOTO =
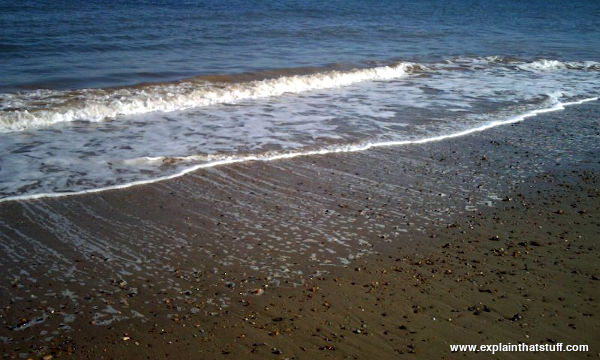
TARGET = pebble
(257,291)
(516,317)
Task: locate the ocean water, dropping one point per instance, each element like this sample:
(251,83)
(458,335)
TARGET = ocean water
(107,94)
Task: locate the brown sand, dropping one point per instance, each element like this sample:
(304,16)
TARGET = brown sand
(368,255)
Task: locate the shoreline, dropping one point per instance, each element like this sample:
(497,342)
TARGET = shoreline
(229,160)
(209,261)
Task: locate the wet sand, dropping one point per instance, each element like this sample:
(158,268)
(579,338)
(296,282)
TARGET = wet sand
(492,237)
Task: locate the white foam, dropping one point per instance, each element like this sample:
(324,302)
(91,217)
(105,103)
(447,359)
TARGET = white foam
(543,65)
(558,106)
(99,104)
(553,65)
(40,108)
(540,65)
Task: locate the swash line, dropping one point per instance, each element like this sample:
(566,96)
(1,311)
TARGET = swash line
(331,150)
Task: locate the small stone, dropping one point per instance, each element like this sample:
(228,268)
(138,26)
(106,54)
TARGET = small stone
(516,317)
(257,291)
(327,347)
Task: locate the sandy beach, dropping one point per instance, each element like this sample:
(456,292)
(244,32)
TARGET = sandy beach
(482,239)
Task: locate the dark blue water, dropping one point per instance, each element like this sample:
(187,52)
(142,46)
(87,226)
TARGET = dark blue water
(73,44)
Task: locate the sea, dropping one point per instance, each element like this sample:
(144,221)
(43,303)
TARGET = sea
(98,95)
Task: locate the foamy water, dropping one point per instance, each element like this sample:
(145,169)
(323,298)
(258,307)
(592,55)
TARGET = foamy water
(23,111)
(69,142)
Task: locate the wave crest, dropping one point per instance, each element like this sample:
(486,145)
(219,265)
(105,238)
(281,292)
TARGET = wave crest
(39,108)
(552,65)
(21,111)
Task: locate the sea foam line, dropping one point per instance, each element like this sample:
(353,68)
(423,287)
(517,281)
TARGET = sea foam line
(328,150)
(22,111)
(100,104)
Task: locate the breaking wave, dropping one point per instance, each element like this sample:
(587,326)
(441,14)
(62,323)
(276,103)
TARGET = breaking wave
(21,111)
(552,65)
(39,108)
